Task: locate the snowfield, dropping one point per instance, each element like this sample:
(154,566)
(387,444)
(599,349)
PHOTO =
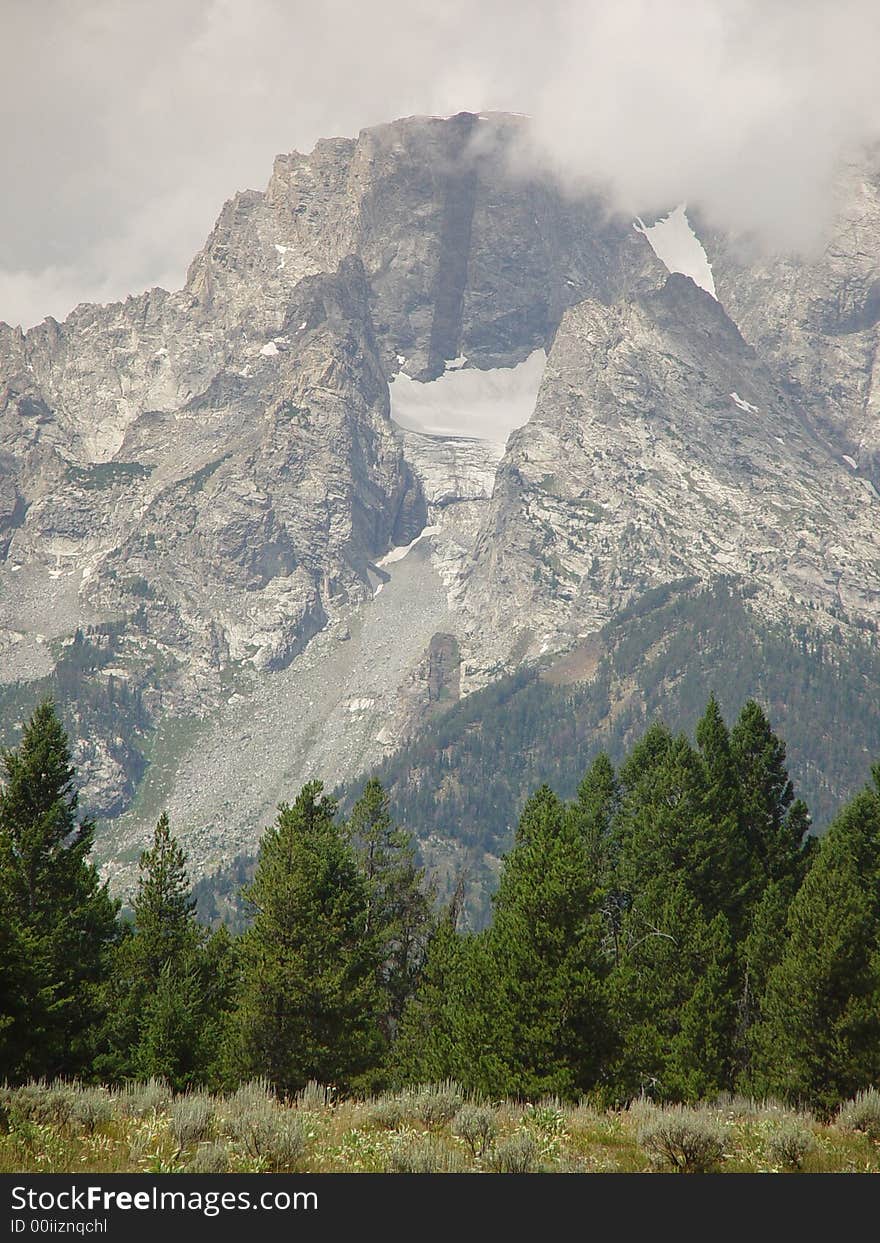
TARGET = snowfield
(465,401)
(677,246)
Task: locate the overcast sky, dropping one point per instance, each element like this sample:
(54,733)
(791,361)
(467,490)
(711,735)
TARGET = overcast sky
(127,123)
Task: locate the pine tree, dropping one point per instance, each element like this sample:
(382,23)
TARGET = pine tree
(776,825)
(399,912)
(449,1029)
(723,804)
(164,910)
(818,1039)
(309,1004)
(673,998)
(546,948)
(165,993)
(61,919)
(668,827)
(598,798)
(679,877)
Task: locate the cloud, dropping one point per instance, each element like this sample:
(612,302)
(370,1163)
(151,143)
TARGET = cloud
(131,124)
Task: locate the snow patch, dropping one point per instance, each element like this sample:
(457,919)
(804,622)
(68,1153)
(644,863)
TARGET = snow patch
(871,489)
(744,405)
(484,405)
(678,248)
(269,350)
(455,364)
(397,554)
(850,461)
(360,705)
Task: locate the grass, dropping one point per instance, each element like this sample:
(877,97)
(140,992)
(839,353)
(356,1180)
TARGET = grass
(71,1128)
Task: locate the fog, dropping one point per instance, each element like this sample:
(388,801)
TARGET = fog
(127,125)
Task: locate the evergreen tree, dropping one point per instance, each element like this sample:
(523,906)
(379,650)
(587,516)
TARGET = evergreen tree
(61,920)
(775,823)
(399,911)
(649,752)
(598,798)
(679,876)
(668,827)
(448,1029)
(165,993)
(674,996)
(309,1004)
(546,948)
(723,804)
(164,910)
(818,1039)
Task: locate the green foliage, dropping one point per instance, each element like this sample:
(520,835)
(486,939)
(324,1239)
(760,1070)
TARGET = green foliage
(309,1001)
(170,982)
(671,934)
(818,1039)
(544,947)
(468,774)
(107,474)
(399,904)
(58,921)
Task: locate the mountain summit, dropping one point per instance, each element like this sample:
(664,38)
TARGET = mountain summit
(417,420)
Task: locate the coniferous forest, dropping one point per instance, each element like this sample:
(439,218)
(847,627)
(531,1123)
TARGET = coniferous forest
(673,933)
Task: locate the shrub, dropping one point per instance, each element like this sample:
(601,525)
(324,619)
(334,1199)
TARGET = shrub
(255,1092)
(548,1117)
(435,1104)
(861,1113)
(209,1159)
(424,1154)
(689,1141)
(314,1096)
(137,1100)
(39,1102)
(192,1119)
(91,1108)
(518,1154)
(386,1112)
(789,1144)
(475,1124)
(273,1136)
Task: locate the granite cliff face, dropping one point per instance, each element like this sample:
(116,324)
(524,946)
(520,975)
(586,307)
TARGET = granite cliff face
(262,528)
(662,448)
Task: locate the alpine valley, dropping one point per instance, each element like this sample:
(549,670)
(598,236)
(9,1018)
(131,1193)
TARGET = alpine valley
(435,471)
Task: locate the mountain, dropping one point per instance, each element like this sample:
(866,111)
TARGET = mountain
(420,425)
